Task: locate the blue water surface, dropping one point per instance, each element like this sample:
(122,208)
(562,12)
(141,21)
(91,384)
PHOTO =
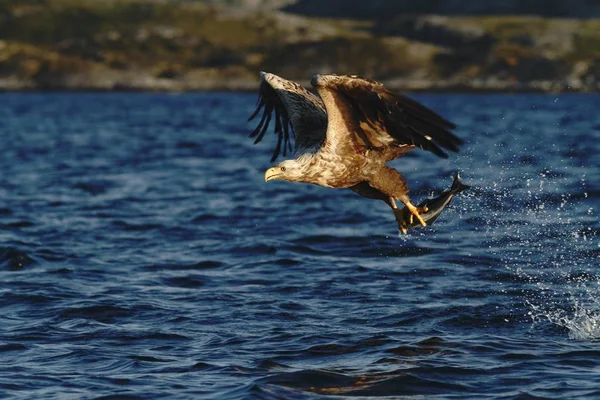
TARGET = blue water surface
(143,256)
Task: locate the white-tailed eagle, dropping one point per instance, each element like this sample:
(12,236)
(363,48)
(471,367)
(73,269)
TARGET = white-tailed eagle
(345,138)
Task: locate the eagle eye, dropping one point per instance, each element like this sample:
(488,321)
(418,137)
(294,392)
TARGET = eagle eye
(282,169)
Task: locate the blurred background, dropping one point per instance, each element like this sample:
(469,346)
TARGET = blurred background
(496,45)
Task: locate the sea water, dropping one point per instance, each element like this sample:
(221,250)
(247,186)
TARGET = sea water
(142,255)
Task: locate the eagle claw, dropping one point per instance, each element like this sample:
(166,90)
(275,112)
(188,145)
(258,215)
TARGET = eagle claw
(418,215)
(415,212)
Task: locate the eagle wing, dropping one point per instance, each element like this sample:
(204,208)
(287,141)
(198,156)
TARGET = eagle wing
(379,117)
(295,109)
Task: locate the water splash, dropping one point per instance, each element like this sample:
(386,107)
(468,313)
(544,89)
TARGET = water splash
(582,323)
(548,239)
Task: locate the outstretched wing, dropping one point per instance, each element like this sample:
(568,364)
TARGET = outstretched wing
(295,109)
(380,117)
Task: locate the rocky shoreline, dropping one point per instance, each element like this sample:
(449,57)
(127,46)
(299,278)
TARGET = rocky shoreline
(204,82)
(180,46)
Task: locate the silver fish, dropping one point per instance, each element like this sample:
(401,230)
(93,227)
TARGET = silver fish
(429,209)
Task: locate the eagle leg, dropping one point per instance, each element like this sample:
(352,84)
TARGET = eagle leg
(405,219)
(420,210)
(403,229)
(415,212)
(400,215)
(389,181)
(366,190)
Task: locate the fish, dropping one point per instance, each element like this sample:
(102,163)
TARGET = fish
(429,209)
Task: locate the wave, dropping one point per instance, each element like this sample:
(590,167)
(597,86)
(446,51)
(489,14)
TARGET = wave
(13,258)
(398,383)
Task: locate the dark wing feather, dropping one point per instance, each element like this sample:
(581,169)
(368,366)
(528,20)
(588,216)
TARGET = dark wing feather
(393,119)
(297,113)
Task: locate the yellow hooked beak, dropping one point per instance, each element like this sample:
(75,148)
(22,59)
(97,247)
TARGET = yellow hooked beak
(272,173)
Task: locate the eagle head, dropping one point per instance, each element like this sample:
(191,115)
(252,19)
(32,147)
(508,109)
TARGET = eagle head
(288,170)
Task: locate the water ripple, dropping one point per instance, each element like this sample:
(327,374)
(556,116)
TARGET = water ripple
(143,256)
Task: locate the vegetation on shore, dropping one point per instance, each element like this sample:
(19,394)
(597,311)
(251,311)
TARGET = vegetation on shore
(202,45)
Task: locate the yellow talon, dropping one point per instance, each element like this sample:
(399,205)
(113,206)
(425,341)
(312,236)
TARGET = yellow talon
(414,212)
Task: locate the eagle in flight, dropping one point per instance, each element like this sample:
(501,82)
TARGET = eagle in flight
(344,137)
